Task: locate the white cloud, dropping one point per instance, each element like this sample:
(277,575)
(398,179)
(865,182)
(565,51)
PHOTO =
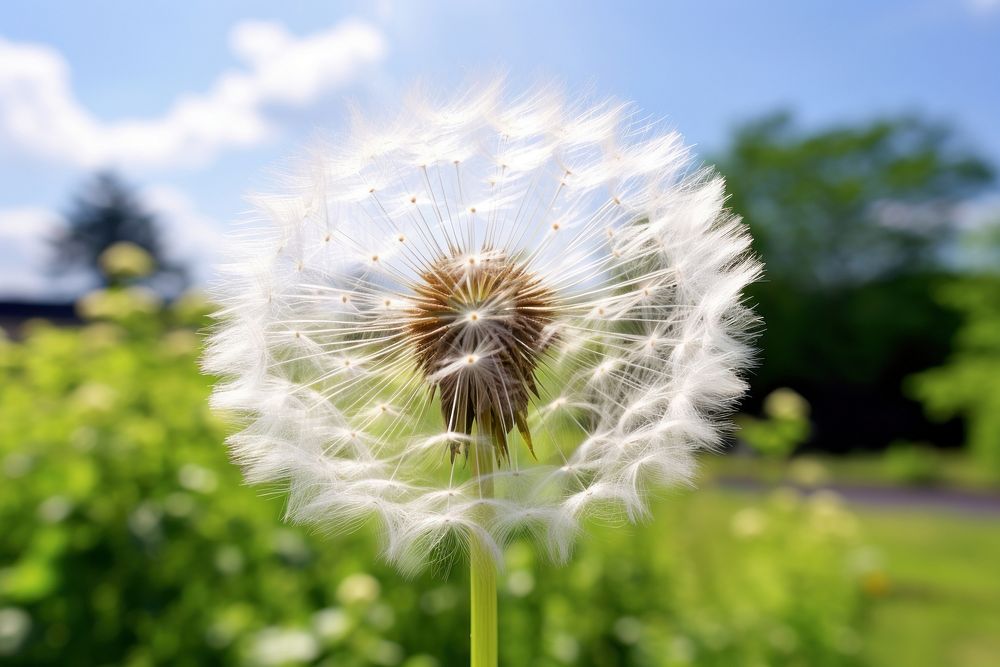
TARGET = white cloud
(979,213)
(40,115)
(983,6)
(189,236)
(25,225)
(24,251)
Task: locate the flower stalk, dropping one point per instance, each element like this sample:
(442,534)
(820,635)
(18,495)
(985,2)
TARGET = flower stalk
(482,571)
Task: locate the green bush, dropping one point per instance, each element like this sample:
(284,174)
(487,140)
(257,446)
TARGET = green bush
(913,463)
(968,385)
(783,428)
(130,539)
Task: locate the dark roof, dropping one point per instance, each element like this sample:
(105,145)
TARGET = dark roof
(14,313)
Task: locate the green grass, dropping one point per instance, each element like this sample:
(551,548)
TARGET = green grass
(938,604)
(942,605)
(942,600)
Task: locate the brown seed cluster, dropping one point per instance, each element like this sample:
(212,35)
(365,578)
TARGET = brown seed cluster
(478,328)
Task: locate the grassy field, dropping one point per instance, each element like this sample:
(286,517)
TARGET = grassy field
(942,602)
(939,603)
(941,598)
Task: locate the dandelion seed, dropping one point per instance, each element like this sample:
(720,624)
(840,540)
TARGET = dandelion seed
(525,316)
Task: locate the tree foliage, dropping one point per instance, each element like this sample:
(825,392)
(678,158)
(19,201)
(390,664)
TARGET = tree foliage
(968,385)
(106,212)
(850,205)
(852,223)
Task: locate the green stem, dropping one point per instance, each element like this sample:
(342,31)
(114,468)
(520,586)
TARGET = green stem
(484,607)
(483,575)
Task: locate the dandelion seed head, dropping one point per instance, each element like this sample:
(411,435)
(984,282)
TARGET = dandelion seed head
(551,285)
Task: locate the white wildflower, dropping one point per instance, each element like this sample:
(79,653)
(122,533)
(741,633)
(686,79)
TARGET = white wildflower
(55,509)
(358,588)
(197,478)
(331,623)
(520,583)
(628,629)
(485,317)
(15,624)
(279,646)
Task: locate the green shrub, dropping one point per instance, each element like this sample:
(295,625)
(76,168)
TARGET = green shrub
(968,385)
(783,428)
(130,539)
(912,463)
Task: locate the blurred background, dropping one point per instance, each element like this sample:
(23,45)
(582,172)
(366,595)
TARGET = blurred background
(855,518)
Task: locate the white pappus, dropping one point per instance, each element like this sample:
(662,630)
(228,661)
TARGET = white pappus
(553,287)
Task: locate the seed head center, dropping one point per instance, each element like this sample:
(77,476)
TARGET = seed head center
(483,367)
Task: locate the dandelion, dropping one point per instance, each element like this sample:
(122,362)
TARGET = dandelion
(487,317)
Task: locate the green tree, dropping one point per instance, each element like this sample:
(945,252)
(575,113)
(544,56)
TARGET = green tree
(106,212)
(850,205)
(853,223)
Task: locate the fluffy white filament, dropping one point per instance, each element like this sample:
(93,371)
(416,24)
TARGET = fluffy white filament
(646,347)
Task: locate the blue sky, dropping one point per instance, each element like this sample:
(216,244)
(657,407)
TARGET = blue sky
(196,103)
